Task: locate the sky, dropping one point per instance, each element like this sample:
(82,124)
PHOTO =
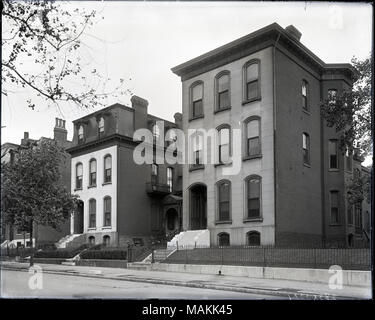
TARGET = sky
(141,41)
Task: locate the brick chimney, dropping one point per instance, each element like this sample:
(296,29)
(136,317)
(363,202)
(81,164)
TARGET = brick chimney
(178,120)
(59,132)
(293,32)
(140,112)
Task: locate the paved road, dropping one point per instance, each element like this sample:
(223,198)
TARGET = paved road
(16,284)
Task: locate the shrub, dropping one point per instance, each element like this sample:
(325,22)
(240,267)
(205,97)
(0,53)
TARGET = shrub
(61,253)
(109,254)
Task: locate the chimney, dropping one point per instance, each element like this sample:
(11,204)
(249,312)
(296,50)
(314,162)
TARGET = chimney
(59,132)
(140,112)
(25,138)
(178,120)
(293,32)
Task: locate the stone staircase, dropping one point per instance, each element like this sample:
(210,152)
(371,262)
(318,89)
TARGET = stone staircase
(145,264)
(190,239)
(71,240)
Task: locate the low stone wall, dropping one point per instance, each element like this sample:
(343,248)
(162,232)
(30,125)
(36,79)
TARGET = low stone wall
(49,260)
(350,277)
(102,263)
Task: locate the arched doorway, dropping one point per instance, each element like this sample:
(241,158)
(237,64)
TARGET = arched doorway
(198,207)
(78,218)
(171,217)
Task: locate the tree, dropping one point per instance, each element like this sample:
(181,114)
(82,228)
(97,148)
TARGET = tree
(32,193)
(41,45)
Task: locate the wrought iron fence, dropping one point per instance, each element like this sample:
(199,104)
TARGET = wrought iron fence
(346,258)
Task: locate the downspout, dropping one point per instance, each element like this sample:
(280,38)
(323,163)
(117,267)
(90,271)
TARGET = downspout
(322,170)
(274,131)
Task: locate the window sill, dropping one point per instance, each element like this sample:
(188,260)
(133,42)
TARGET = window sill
(193,168)
(91,229)
(333,170)
(106,183)
(335,224)
(77,189)
(251,100)
(107,228)
(222,164)
(224,222)
(307,165)
(257,156)
(222,109)
(93,186)
(197,117)
(252,220)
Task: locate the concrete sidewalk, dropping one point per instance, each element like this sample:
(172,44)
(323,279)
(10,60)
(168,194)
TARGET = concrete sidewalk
(282,288)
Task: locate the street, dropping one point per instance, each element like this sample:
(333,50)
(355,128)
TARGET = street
(16,284)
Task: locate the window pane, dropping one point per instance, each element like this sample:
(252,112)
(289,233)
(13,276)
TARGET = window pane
(254,188)
(224,239)
(92,206)
(224,153)
(197,108)
(93,166)
(254,239)
(197,92)
(252,90)
(224,191)
(305,141)
(253,206)
(223,83)
(108,163)
(253,146)
(79,170)
(223,99)
(107,205)
(253,128)
(224,136)
(304,89)
(252,72)
(101,124)
(334,199)
(332,147)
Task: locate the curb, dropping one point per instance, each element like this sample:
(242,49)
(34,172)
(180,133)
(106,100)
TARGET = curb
(279,293)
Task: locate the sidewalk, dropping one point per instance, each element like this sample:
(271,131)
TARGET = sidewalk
(282,288)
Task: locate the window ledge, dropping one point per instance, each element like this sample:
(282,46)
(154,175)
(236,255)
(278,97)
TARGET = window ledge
(253,220)
(308,165)
(193,168)
(222,109)
(333,170)
(222,164)
(335,224)
(91,229)
(105,183)
(107,228)
(257,156)
(93,186)
(224,222)
(251,100)
(197,117)
(77,189)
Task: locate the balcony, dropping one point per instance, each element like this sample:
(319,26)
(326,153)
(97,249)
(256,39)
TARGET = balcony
(157,188)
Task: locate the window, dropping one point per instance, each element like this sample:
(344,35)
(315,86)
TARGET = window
(106,240)
(224,145)
(91,240)
(155,132)
(223,192)
(154,173)
(358,218)
(348,160)
(79,175)
(251,81)
(253,238)
(305,90)
(80,133)
(222,91)
(252,137)
(334,207)
(350,212)
(107,169)
(197,143)
(306,148)
(170,179)
(223,239)
(333,152)
(92,213)
(253,197)
(196,100)
(92,180)
(332,96)
(107,211)
(101,127)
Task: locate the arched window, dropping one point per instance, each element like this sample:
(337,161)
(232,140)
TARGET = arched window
(305,94)
(224,143)
(253,238)
(79,175)
(196,100)
(170,178)
(92,213)
(80,133)
(306,148)
(101,127)
(106,240)
(91,240)
(223,200)
(222,84)
(107,211)
(107,169)
(253,192)
(252,134)
(155,132)
(251,80)
(223,239)
(196,143)
(92,180)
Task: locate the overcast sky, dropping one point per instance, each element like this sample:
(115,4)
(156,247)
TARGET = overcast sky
(142,41)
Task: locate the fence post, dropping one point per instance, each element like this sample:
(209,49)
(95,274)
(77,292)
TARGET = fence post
(222,257)
(264,256)
(186,256)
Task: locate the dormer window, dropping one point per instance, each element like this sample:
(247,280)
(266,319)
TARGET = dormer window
(80,133)
(101,127)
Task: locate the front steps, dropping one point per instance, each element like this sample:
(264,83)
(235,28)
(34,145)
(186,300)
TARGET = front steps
(190,239)
(70,240)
